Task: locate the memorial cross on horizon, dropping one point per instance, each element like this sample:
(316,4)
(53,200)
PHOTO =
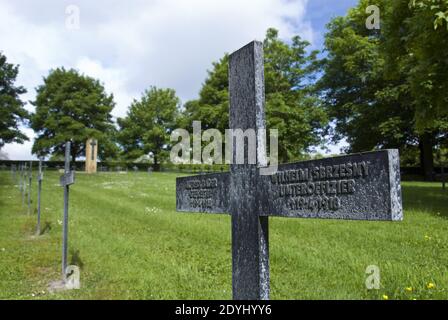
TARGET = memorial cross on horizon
(92,145)
(364,186)
(91,155)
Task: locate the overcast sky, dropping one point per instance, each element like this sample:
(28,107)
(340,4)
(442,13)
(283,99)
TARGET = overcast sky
(131,45)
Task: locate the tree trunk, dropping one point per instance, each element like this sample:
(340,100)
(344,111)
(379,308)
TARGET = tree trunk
(156,163)
(426,145)
(74,151)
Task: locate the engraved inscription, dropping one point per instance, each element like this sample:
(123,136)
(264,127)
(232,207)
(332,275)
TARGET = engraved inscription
(201,193)
(318,188)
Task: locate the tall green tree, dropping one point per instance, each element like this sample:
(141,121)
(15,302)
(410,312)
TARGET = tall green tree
(366,84)
(148,124)
(12,111)
(415,43)
(291,105)
(415,46)
(72,107)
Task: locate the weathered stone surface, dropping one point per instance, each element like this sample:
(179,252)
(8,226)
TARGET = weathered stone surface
(67,179)
(250,241)
(203,193)
(91,155)
(364,186)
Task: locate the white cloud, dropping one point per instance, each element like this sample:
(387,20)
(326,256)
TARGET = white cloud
(113,79)
(134,44)
(17,151)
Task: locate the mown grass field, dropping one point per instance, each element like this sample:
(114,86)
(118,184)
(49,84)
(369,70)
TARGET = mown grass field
(131,244)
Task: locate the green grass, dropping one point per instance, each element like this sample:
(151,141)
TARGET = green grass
(131,244)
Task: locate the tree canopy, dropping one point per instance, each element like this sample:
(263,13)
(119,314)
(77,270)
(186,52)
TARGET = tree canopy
(12,111)
(147,126)
(72,107)
(368,83)
(292,107)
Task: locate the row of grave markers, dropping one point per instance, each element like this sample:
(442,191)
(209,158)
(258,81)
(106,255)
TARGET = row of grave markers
(364,186)
(23,174)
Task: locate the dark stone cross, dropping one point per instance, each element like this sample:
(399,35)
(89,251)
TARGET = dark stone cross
(363,186)
(67,179)
(93,144)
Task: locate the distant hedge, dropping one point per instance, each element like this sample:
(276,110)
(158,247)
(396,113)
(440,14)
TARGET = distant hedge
(407,173)
(121,166)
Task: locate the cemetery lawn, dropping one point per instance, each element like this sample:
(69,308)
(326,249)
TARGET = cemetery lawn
(131,244)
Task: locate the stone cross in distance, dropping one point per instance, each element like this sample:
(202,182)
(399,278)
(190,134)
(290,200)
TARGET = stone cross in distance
(364,186)
(93,144)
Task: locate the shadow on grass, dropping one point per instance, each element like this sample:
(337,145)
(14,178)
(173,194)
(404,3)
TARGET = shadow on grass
(432,199)
(46,228)
(76,259)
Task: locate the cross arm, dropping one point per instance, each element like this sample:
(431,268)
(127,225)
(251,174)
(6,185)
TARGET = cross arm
(363,186)
(67,179)
(208,193)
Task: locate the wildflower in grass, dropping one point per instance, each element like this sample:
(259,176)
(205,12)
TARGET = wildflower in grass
(430,285)
(409,289)
(385,297)
(427,237)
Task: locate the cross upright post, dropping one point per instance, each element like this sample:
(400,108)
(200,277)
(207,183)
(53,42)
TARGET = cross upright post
(39,191)
(30,178)
(24,175)
(19,177)
(67,179)
(250,239)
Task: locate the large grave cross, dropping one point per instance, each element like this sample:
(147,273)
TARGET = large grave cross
(91,155)
(67,179)
(92,145)
(363,186)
